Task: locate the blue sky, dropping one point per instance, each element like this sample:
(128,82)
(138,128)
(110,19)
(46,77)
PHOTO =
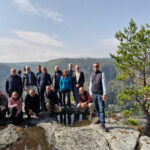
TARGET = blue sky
(41,30)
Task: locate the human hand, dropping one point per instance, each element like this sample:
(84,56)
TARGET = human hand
(91,95)
(104,97)
(16,115)
(30,111)
(56,106)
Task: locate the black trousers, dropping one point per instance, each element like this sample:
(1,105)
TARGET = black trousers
(59,94)
(3,113)
(41,94)
(64,95)
(13,112)
(35,108)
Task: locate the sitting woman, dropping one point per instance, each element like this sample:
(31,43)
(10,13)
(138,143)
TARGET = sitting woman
(65,87)
(15,108)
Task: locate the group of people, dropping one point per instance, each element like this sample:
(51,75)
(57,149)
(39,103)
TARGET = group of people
(52,92)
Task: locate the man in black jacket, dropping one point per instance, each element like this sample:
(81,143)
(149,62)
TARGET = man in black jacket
(3,106)
(13,83)
(32,103)
(55,83)
(29,80)
(51,100)
(78,81)
(43,81)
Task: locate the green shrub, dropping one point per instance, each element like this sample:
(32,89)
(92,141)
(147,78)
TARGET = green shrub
(132,122)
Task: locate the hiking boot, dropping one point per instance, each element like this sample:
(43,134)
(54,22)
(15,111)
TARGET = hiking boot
(97,121)
(104,128)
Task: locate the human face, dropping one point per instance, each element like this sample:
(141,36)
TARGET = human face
(44,70)
(13,72)
(28,69)
(15,95)
(81,90)
(56,68)
(39,68)
(32,93)
(95,67)
(48,89)
(70,66)
(77,68)
(65,73)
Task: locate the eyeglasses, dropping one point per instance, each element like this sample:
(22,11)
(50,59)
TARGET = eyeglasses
(95,66)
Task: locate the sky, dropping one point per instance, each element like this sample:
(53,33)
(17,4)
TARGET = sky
(42,30)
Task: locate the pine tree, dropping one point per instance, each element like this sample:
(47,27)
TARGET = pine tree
(132,61)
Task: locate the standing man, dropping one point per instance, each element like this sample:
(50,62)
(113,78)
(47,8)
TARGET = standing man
(78,81)
(37,75)
(55,83)
(13,83)
(97,91)
(70,73)
(29,80)
(43,81)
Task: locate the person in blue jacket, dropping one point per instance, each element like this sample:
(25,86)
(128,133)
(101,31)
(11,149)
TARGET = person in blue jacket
(66,87)
(43,80)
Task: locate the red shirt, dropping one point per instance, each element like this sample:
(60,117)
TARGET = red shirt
(85,97)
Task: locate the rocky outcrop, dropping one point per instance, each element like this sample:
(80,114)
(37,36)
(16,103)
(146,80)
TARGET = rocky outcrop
(8,136)
(119,137)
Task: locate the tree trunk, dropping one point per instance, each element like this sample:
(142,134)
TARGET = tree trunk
(147,129)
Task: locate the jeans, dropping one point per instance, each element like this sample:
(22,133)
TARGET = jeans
(76,94)
(99,106)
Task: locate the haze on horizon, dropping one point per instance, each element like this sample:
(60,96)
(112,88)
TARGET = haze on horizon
(39,31)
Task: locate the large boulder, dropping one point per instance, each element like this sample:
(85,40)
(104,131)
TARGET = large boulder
(8,136)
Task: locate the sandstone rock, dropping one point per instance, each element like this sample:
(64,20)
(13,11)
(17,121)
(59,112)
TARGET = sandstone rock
(91,137)
(8,136)
(144,143)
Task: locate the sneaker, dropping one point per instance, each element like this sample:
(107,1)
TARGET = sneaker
(104,128)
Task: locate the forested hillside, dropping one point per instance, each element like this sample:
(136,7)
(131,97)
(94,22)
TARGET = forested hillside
(4,70)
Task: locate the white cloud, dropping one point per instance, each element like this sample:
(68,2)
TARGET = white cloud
(24,48)
(52,14)
(27,7)
(106,46)
(38,38)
